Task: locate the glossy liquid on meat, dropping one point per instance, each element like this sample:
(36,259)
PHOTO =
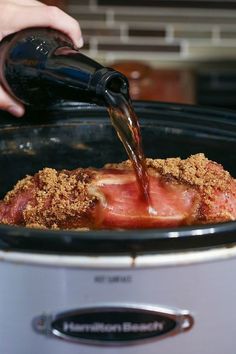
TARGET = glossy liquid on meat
(127,127)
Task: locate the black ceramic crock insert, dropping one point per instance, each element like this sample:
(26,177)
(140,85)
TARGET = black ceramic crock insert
(72,135)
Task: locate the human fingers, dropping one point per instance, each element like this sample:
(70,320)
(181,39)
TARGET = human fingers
(7,103)
(61,21)
(27,2)
(41,16)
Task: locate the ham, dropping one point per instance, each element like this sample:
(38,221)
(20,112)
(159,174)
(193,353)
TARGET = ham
(182,192)
(122,206)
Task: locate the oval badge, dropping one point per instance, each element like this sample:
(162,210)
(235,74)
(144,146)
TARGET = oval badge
(114,325)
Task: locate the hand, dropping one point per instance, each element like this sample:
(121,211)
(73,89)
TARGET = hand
(19,14)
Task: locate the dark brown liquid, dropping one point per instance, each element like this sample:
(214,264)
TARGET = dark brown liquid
(127,127)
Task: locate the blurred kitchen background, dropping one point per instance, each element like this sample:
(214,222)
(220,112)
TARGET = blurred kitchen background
(171,50)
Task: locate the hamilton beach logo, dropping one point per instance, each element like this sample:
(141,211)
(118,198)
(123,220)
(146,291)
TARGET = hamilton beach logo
(101,327)
(114,325)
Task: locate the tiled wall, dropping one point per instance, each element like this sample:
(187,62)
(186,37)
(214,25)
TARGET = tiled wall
(164,33)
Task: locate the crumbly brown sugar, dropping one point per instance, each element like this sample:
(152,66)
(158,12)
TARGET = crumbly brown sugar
(22,185)
(196,170)
(61,196)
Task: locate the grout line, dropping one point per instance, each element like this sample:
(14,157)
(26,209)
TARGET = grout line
(222,43)
(169,33)
(173,12)
(110,17)
(154,25)
(143,56)
(184,49)
(139,40)
(216,34)
(93,44)
(92,5)
(124,33)
(98,24)
(143,23)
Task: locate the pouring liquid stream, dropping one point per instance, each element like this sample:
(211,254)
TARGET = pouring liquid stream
(126,124)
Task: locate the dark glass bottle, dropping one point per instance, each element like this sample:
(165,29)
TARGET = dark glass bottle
(40,66)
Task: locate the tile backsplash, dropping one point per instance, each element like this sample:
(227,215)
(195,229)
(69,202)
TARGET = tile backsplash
(163,33)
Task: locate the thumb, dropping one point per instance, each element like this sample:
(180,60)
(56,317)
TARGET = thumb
(7,103)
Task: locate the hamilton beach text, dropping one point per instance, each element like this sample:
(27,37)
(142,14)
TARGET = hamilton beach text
(100,327)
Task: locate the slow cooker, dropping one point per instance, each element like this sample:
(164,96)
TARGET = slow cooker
(133,292)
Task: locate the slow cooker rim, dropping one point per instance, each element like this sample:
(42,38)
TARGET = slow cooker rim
(63,105)
(23,239)
(72,106)
(134,242)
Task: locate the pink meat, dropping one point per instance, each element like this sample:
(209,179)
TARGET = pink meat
(109,198)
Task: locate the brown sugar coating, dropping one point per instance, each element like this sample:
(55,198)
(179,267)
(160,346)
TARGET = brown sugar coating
(24,184)
(72,199)
(193,171)
(59,198)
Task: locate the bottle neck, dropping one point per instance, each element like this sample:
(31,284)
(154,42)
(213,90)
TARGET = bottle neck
(107,79)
